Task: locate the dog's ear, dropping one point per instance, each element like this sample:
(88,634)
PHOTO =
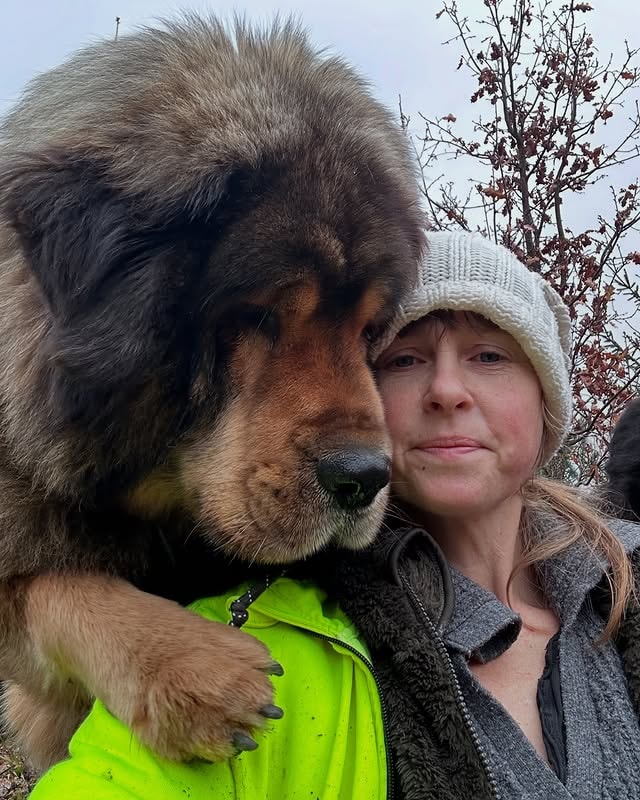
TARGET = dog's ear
(68,222)
(114,283)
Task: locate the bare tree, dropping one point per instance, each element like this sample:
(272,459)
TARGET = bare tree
(542,151)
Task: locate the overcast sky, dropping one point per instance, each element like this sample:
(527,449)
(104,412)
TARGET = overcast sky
(394,42)
(397,44)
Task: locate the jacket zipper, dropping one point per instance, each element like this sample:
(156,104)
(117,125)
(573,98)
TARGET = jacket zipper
(383,706)
(493,786)
(240,614)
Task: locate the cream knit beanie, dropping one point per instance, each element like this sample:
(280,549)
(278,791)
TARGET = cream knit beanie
(466,272)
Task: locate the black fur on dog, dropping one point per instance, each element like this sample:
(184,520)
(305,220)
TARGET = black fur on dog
(201,230)
(623,464)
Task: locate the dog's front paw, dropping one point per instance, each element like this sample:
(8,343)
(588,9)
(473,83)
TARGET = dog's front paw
(204,691)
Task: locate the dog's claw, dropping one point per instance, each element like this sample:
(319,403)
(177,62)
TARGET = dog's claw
(272,712)
(243,742)
(275,669)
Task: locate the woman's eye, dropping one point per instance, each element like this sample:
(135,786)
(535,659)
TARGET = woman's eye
(401,361)
(490,357)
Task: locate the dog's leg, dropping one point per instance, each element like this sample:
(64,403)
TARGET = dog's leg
(186,686)
(41,726)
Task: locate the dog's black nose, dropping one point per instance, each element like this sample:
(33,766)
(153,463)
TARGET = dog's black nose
(354,477)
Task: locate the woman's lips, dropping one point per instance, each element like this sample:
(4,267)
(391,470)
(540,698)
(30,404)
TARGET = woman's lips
(450,447)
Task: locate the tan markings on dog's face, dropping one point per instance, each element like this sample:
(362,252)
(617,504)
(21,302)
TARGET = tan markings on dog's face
(307,396)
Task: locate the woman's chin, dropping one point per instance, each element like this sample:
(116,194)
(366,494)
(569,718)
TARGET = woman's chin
(463,499)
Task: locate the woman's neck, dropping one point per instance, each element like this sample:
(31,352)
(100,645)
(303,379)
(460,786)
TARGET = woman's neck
(486,548)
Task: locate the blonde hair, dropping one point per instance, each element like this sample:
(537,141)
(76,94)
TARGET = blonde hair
(583,521)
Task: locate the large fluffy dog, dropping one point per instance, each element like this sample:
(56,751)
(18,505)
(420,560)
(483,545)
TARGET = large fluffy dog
(623,466)
(200,231)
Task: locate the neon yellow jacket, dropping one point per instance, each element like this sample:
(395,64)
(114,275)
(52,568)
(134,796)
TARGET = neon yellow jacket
(328,746)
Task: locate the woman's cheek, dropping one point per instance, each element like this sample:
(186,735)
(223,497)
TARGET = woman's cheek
(525,430)
(395,408)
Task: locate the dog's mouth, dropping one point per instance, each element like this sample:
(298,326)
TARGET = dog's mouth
(264,536)
(269,507)
(359,529)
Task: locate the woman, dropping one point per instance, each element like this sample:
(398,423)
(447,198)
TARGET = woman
(486,658)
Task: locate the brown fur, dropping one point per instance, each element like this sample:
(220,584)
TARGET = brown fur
(200,231)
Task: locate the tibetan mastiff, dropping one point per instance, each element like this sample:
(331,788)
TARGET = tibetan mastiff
(202,227)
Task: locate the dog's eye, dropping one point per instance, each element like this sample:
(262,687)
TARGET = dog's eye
(368,334)
(259,319)
(373,331)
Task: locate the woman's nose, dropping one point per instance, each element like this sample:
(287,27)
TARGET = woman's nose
(447,388)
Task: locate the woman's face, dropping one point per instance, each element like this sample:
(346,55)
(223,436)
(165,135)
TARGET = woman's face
(464,409)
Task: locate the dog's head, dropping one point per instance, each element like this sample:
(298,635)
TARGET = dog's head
(210,229)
